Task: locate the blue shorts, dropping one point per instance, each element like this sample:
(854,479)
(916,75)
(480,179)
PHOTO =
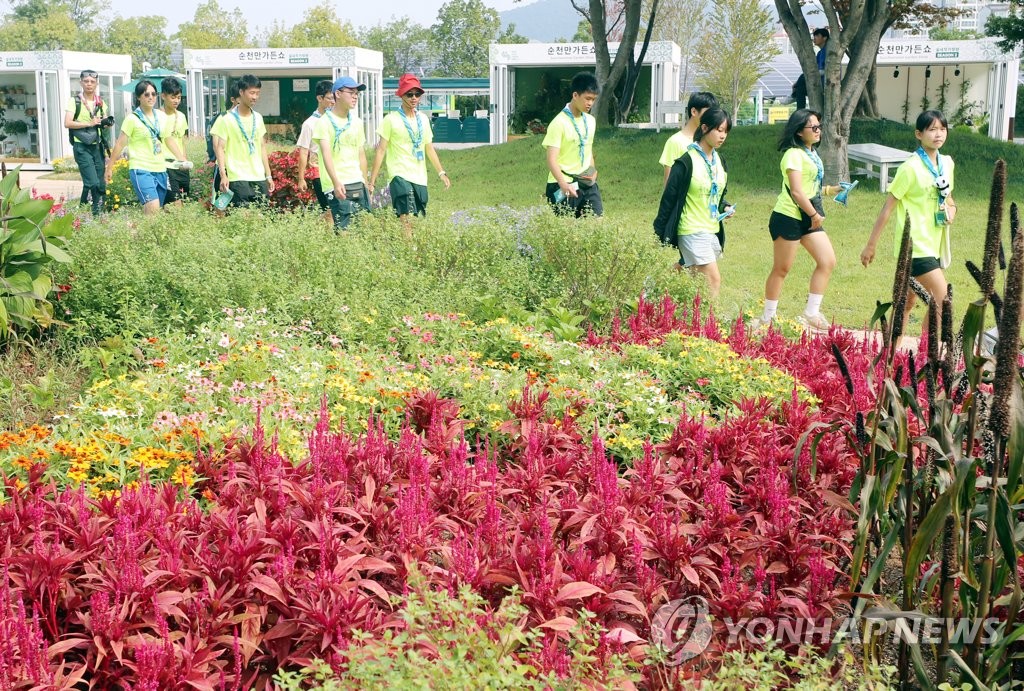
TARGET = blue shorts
(148,186)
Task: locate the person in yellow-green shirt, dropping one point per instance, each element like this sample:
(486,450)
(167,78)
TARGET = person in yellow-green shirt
(86,118)
(693,205)
(240,143)
(341,141)
(923,192)
(798,217)
(146,135)
(406,141)
(675,147)
(179,181)
(569,143)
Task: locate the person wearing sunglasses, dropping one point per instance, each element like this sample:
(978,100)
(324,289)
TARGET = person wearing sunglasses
(146,134)
(693,205)
(798,220)
(84,118)
(406,142)
(342,142)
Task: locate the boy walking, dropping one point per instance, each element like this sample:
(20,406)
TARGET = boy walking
(83,117)
(406,140)
(677,143)
(179,181)
(308,146)
(240,141)
(572,178)
(341,139)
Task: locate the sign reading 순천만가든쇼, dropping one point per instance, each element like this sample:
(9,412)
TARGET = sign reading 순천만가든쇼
(910,51)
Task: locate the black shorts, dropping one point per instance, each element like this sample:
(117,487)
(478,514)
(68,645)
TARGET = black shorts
(321,198)
(248,192)
(408,198)
(179,185)
(786,227)
(920,266)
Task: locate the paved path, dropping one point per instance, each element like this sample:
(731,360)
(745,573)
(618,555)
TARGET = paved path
(58,189)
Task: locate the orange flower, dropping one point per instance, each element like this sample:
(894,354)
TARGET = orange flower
(515,355)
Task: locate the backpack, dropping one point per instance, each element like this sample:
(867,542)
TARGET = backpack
(211,155)
(73,133)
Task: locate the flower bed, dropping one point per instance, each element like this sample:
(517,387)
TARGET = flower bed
(277,557)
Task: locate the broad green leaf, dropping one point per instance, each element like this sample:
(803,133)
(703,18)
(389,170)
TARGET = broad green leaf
(8,184)
(880,311)
(868,503)
(973,326)
(932,523)
(978,685)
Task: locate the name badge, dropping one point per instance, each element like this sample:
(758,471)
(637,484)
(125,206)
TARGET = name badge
(941,218)
(419,154)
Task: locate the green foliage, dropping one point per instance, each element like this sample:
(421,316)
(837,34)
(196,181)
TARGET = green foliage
(1009,29)
(35,383)
(149,274)
(461,36)
(143,38)
(456,642)
(30,240)
(736,51)
(320,26)
(214,27)
(772,668)
(404,43)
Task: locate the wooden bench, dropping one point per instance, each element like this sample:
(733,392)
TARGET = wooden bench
(668,108)
(871,156)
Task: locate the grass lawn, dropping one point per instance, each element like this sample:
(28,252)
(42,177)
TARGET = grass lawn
(631,182)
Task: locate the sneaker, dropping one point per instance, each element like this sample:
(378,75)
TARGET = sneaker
(758,324)
(815,322)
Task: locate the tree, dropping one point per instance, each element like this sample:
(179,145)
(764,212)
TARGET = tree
(320,26)
(682,21)
(52,31)
(736,50)
(144,38)
(1009,29)
(214,27)
(404,43)
(856,30)
(583,33)
(622,23)
(461,36)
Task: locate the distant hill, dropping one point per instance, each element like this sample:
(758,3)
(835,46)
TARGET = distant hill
(544,21)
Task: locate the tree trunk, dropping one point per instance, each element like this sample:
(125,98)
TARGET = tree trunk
(610,72)
(868,105)
(625,103)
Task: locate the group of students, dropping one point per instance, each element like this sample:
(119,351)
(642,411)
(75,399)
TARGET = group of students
(153,137)
(693,206)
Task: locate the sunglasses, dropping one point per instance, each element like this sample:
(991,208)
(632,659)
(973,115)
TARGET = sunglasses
(414,94)
(150,93)
(813,128)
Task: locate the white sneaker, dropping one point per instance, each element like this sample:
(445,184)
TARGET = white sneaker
(758,324)
(815,321)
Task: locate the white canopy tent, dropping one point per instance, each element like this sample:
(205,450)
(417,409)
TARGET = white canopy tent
(284,72)
(508,61)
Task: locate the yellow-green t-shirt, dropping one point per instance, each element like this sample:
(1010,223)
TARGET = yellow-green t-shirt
(87,111)
(674,148)
(344,138)
(177,127)
(566,137)
(796,158)
(402,160)
(696,217)
(142,137)
(241,164)
(914,188)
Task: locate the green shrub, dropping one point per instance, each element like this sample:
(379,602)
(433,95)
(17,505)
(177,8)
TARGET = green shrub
(458,643)
(141,275)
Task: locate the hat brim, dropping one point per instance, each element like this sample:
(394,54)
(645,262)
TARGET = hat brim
(357,87)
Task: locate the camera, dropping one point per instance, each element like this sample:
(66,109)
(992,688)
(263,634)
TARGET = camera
(107,121)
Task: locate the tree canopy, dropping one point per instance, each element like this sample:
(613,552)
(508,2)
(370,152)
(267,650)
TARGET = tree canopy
(214,27)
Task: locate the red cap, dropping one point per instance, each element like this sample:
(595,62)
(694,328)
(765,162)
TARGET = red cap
(408,82)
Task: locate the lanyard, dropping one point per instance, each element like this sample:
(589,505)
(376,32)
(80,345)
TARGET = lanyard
(417,139)
(338,131)
(154,129)
(581,137)
(317,114)
(250,138)
(96,101)
(813,155)
(712,168)
(936,172)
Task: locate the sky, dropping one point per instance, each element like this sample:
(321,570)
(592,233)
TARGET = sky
(262,13)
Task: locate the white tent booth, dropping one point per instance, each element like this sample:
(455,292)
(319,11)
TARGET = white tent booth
(970,77)
(289,77)
(531,80)
(35,87)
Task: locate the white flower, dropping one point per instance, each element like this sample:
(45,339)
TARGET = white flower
(225,341)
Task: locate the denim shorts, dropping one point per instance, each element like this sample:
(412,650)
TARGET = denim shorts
(148,186)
